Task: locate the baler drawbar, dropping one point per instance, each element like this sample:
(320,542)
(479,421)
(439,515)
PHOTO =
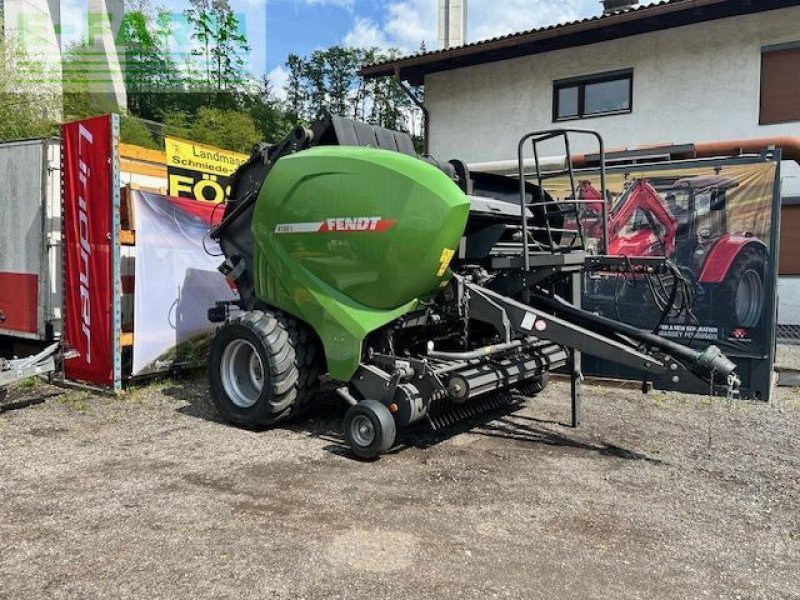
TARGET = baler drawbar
(425,289)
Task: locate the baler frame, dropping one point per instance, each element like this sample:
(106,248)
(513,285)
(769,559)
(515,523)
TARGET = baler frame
(510,304)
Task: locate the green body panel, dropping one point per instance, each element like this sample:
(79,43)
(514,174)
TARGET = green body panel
(349,239)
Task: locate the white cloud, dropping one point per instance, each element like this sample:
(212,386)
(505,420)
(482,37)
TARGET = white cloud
(72,22)
(489,19)
(409,23)
(365,34)
(347,4)
(340,3)
(278,77)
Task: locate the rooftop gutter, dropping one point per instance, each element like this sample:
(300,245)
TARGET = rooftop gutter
(584,32)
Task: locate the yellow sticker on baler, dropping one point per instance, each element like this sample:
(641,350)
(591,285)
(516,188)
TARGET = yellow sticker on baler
(444,261)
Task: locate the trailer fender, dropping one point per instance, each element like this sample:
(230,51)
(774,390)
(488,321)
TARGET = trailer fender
(722,256)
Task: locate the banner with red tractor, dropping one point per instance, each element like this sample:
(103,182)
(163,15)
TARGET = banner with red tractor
(717,222)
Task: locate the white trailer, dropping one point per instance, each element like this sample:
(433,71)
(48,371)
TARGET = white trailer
(30,242)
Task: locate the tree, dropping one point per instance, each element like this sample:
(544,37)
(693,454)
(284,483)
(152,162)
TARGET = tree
(316,84)
(230,44)
(228,129)
(295,89)
(134,131)
(199,16)
(77,70)
(340,72)
(328,81)
(148,69)
(222,45)
(26,108)
(270,118)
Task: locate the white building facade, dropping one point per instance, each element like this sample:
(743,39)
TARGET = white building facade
(697,83)
(674,73)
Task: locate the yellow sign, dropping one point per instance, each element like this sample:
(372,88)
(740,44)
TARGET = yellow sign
(198,171)
(444,261)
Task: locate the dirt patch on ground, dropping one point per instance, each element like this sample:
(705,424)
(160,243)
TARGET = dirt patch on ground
(151,496)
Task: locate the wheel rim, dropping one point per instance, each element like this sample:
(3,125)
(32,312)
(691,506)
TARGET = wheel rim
(362,431)
(242,373)
(749,299)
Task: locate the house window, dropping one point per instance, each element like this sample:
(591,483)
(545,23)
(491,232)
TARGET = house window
(780,84)
(593,96)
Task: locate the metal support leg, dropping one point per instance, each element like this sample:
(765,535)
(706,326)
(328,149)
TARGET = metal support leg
(575,359)
(575,387)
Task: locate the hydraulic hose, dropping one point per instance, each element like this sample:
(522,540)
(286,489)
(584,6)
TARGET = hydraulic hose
(710,365)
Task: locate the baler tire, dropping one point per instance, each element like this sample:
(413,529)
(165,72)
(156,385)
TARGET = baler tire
(751,263)
(534,386)
(369,429)
(287,357)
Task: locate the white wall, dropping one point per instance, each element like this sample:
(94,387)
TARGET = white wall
(789,301)
(691,84)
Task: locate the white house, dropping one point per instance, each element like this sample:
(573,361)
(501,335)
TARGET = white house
(676,72)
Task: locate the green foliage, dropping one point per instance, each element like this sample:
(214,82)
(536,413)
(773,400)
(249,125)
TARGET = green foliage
(134,131)
(229,129)
(269,115)
(208,96)
(76,400)
(222,45)
(27,107)
(30,383)
(78,101)
(148,68)
(327,81)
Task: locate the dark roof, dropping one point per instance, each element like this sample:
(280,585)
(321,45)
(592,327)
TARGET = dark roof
(634,21)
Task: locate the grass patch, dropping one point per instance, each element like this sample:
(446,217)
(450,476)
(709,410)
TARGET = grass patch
(76,400)
(30,383)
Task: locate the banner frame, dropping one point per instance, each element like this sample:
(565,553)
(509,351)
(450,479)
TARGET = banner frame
(116,255)
(759,366)
(102,199)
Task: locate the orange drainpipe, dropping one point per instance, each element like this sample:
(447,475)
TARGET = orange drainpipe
(789,146)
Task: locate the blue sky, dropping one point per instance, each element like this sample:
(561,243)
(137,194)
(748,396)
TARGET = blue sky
(301,26)
(276,28)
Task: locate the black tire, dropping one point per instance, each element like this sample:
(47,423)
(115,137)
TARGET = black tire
(534,386)
(275,346)
(740,298)
(369,429)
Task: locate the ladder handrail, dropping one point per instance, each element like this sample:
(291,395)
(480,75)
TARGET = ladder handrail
(536,138)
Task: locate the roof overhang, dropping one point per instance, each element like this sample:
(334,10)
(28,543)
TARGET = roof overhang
(646,19)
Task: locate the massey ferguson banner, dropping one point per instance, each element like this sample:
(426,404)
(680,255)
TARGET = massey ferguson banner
(717,224)
(87,171)
(177,281)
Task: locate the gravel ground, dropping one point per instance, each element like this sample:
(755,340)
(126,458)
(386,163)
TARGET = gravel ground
(150,496)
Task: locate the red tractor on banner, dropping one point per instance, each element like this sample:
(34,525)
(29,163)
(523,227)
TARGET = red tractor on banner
(685,220)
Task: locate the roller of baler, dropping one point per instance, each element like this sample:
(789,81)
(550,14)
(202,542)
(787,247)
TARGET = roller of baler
(427,290)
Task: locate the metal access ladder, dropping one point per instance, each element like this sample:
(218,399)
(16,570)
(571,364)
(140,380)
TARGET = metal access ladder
(557,238)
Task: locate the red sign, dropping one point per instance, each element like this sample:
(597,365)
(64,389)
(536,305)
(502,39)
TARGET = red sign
(86,169)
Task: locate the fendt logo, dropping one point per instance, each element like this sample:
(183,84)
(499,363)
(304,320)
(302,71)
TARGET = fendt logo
(83,231)
(339,224)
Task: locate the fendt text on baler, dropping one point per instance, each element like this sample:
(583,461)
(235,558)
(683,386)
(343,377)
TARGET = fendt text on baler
(424,289)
